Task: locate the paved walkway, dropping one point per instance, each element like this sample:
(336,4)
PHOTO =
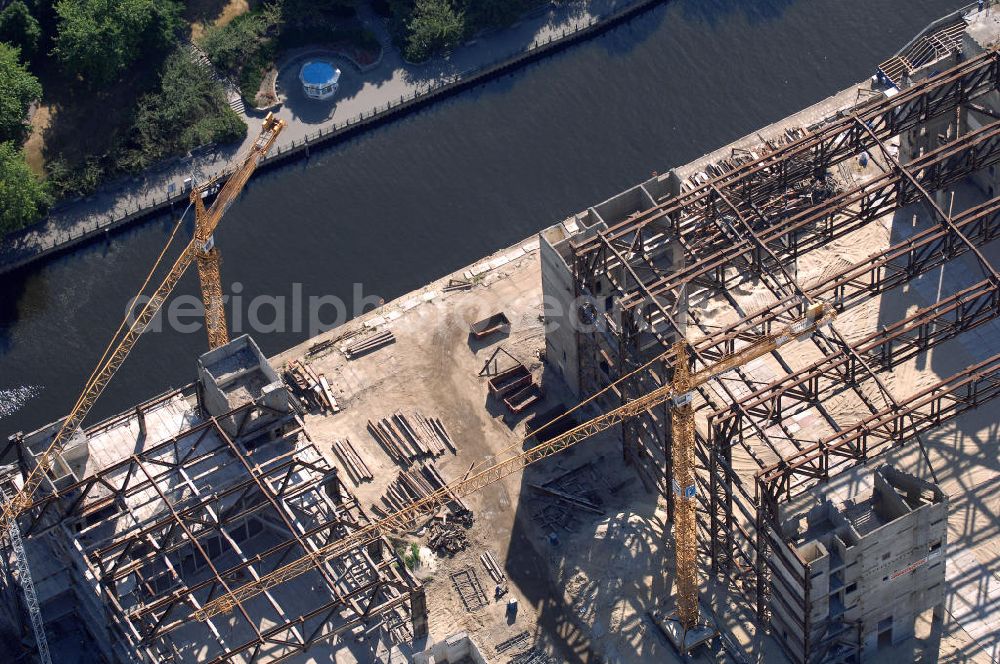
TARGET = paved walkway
(359,93)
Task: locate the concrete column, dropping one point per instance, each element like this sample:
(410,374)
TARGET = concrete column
(938,614)
(141,416)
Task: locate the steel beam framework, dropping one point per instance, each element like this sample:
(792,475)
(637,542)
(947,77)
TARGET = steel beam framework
(756,221)
(174,525)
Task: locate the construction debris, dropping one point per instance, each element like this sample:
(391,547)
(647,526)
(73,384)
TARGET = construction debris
(739,156)
(416,484)
(551,516)
(572,500)
(447,538)
(355,465)
(325,346)
(406,440)
(457,285)
(369,344)
(312,389)
(576,489)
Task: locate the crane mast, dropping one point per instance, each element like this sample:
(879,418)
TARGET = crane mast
(116,353)
(205,222)
(28,586)
(682,432)
(682,428)
(210,277)
(678,394)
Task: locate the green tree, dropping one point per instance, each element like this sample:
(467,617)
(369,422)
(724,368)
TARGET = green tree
(231,47)
(23,199)
(19,27)
(18,89)
(99,39)
(189,110)
(435,25)
(488,13)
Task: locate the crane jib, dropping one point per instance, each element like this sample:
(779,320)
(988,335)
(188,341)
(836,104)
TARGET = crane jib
(816,316)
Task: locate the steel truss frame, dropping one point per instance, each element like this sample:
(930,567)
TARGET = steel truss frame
(747,219)
(172,522)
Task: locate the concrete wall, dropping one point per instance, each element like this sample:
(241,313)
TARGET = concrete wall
(578,355)
(562,343)
(68,466)
(453,649)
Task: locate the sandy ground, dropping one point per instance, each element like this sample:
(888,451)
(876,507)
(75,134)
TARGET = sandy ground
(583,585)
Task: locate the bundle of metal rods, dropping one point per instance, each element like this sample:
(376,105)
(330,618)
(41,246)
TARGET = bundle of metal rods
(407,439)
(369,344)
(353,463)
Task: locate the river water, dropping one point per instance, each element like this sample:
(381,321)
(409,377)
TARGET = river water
(417,199)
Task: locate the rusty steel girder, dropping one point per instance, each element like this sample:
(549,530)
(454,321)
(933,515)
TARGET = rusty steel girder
(828,145)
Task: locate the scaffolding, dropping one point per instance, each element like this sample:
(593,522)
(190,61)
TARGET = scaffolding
(758,215)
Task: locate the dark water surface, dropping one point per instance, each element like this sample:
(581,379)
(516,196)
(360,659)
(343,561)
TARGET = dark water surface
(415,200)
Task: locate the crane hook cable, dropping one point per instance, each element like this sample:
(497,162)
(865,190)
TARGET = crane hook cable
(149,277)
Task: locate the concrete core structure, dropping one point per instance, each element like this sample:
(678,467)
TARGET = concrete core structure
(238,374)
(872,562)
(591,338)
(456,649)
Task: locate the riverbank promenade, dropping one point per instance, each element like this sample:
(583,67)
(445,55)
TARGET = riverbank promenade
(361,94)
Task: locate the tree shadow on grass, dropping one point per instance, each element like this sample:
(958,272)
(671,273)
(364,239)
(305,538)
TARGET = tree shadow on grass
(84,123)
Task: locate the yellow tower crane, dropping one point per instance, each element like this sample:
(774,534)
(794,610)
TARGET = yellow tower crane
(678,394)
(685,622)
(200,249)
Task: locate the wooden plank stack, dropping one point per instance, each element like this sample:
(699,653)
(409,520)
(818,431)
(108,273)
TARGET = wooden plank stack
(369,344)
(408,438)
(313,389)
(353,463)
